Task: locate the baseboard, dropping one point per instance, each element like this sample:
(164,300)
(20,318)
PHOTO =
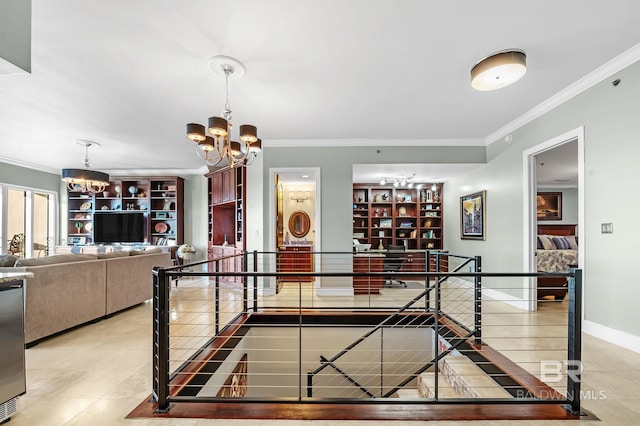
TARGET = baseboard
(611,335)
(516,302)
(334,291)
(493,294)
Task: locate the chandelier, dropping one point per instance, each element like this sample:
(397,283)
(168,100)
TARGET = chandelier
(217,147)
(85,180)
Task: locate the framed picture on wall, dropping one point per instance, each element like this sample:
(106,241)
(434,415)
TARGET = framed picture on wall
(549,205)
(473,216)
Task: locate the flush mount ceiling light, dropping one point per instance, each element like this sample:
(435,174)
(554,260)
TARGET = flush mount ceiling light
(499,70)
(218,147)
(85,180)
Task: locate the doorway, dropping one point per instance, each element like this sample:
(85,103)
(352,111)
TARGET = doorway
(532,163)
(295,214)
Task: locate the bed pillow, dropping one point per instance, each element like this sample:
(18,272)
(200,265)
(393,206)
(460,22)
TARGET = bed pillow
(547,242)
(561,243)
(573,243)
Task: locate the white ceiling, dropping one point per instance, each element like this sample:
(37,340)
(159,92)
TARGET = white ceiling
(130,75)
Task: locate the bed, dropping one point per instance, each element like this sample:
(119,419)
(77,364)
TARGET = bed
(557,252)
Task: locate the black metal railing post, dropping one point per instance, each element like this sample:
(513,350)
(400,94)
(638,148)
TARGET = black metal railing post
(427,283)
(477,305)
(216,314)
(309,384)
(436,336)
(574,341)
(161,339)
(255,281)
(438,280)
(245,283)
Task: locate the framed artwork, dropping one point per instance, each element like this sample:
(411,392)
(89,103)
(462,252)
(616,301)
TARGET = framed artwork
(549,206)
(473,216)
(236,384)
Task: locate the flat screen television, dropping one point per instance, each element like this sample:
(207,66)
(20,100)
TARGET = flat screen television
(122,227)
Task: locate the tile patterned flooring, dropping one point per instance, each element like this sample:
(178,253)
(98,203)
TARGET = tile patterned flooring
(96,374)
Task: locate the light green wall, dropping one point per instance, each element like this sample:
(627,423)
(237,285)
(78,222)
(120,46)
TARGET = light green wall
(336,165)
(195,214)
(29,178)
(612,133)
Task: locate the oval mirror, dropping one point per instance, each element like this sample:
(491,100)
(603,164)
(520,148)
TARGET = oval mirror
(299,223)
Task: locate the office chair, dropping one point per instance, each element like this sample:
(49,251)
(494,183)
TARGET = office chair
(393,263)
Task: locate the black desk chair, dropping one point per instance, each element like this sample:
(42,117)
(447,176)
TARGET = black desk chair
(393,261)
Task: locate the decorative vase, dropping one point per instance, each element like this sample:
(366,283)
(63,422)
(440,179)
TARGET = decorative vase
(380,246)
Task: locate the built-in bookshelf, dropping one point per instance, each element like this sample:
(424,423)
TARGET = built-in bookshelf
(227,191)
(160,199)
(387,215)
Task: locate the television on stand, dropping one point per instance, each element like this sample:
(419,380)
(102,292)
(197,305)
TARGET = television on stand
(120,227)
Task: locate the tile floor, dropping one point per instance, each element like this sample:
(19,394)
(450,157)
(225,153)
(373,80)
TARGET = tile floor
(95,375)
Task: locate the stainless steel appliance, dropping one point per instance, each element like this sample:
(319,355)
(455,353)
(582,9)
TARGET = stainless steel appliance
(12,373)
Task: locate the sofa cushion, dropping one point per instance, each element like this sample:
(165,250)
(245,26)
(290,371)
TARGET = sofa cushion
(8,260)
(113,254)
(59,258)
(149,251)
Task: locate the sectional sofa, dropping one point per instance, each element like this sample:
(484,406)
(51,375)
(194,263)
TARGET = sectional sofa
(68,290)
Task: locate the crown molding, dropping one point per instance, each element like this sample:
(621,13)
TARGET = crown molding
(616,64)
(38,167)
(285,143)
(156,172)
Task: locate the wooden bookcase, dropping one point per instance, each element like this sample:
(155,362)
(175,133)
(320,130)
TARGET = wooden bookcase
(160,198)
(386,215)
(227,193)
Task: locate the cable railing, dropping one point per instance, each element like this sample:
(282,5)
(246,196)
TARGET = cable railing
(254,333)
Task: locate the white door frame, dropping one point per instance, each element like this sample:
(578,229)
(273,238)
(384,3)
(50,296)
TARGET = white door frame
(529,199)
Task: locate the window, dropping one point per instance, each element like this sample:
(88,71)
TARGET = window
(28,218)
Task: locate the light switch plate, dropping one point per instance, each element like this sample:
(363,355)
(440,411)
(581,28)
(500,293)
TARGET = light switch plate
(606,228)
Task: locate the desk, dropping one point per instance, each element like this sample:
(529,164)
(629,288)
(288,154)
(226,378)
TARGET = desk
(367,262)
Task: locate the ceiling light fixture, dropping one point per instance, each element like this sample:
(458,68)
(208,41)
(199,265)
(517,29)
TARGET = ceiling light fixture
(219,147)
(85,180)
(399,181)
(499,70)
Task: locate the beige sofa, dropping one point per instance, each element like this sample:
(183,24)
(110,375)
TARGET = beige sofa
(72,289)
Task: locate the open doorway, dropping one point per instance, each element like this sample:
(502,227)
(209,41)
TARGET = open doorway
(294,219)
(554,205)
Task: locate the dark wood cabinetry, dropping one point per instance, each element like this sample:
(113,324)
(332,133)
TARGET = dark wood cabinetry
(160,198)
(364,264)
(295,258)
(384,216)
(226,207)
